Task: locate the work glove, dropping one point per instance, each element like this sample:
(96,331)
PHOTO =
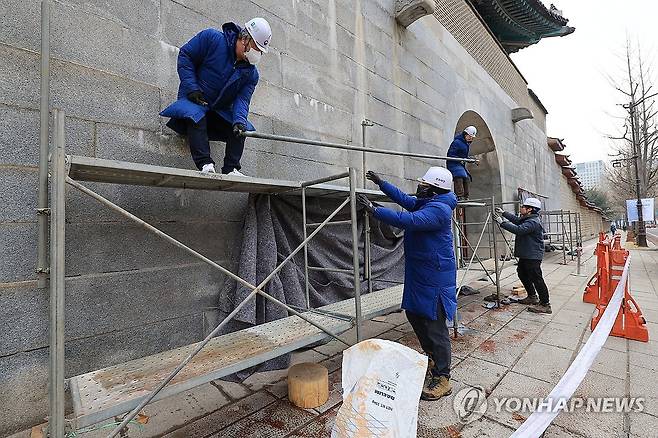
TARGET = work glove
(477,162)
(500,219)
(363,201)
(372,176)
(499,210)
(197,97)
(239,129)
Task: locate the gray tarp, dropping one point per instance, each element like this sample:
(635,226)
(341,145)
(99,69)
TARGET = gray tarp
(273,229)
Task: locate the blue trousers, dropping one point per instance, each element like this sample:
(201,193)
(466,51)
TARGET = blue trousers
(215,127)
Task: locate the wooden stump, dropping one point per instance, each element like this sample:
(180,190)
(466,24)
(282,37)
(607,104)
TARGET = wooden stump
(308,385)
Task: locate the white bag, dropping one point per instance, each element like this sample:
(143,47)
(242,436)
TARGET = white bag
(382,382)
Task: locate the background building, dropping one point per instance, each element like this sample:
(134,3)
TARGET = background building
(591,173)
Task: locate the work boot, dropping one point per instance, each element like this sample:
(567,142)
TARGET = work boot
(428,373)
(530,299)
(540,308)
(436,388)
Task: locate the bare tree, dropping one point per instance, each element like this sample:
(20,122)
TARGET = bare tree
(641,125)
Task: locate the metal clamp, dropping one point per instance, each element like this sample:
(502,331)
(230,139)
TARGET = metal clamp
(43,211)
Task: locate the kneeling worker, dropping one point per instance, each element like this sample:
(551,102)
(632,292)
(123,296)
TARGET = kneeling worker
(529,248)
(218,76)
(429,296)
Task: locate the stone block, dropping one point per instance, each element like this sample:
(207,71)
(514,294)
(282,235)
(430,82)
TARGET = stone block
(286,12)
(180,23)
(23,390)
(560,335)
(108,45)
(95,95)
(19,70)
(381,15)
(312,17)
(160,205)
(19,195)
(308,80)
(112,302)
(129,14)
(299,110)
(24,326)
(89,250)
(107,349)
(24,375)
(306,48)
(21,24)
(320,154)
(80,91)
(19,260)
(20,128)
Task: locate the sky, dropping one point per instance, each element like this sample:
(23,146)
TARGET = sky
(572,75)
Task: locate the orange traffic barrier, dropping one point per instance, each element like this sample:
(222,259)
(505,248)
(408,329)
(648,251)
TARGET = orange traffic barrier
(598,281)
(630,323)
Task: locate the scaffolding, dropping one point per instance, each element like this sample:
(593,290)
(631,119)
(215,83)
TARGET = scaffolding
(463,245)
(563,231)
(103,394)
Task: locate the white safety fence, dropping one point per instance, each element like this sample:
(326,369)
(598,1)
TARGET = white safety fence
(537,423)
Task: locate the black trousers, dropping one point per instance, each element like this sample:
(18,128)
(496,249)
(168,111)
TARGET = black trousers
(529,272)
(215,127)
(434,339)
(461,186)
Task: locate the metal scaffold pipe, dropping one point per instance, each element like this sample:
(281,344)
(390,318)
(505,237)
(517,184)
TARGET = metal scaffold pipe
(44,113)
(263,136)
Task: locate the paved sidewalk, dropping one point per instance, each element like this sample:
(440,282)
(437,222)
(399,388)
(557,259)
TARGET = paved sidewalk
(508,351)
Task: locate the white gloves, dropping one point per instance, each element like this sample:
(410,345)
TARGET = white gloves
(499,219)
(499,210)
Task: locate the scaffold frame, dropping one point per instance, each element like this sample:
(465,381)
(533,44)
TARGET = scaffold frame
(70,170)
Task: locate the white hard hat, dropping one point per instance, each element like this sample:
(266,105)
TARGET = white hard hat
(532,202)
(260,32)
(470,130)
(438,177)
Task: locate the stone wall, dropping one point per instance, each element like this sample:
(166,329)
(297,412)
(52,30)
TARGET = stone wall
(333,63)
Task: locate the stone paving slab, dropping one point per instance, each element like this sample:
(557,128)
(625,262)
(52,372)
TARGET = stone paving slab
(643,425)
(534,362)
(563,336)
(224,417)
(276,420)
(477,372)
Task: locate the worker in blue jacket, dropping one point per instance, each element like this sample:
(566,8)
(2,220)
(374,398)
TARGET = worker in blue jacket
(429,296)
(460,148)
(218,76)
